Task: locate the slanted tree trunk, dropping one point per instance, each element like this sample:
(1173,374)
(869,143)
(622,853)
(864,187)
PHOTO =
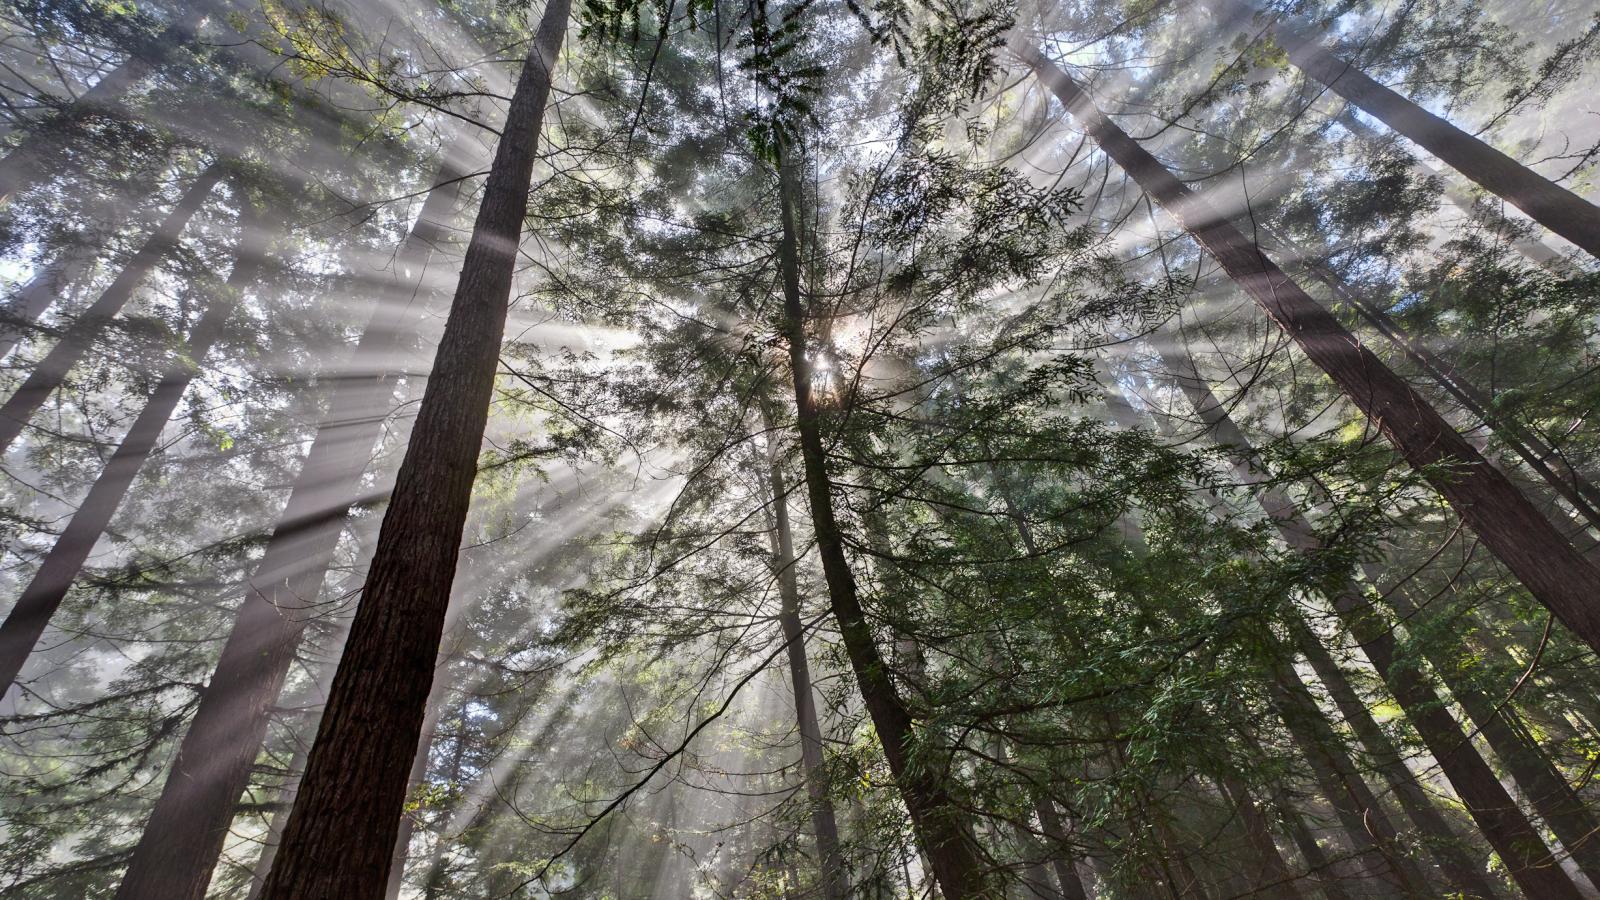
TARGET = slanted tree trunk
(1532,248)
(42,290)
(51,372)
(1273,878)
(419,772)
(1446,849)
(33,159)
(1364,820)
(1321,869)
(181,842)
(1457,866)
(1544,787)
(27,620)
(1054,828)
(833,876)
(1530,546)
(942,834)
(1520,846)
(1546,202)
(340,837)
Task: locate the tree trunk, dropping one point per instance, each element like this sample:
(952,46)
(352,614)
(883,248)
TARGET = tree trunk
(1273,877)
(1502,823)
(942,834)
(42,290)
(834,876)
(51,372)
(184,837)
(1446,849)
(1321,869)
(1545,788)
(36,156)
(1530,546)
(1546,202)
(1337,777)
(27,620)
(419,772)
(340,838)
(1072,886)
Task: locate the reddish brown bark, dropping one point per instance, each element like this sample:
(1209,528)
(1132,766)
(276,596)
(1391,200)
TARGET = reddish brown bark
(184,836)
(1509,525)
(340,838)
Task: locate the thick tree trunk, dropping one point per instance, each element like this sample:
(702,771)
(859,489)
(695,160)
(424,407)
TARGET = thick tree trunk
(1546,202)
(1510,833)
(184,837)
(1572,485)
(1534,549)
(419,772)
(943,835)
(833,877)
(27,620)
(52,371)
(340,838)
(42,290)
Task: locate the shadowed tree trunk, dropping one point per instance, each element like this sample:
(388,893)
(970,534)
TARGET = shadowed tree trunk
(27,620)
(833,875)
(1510,833)
(1364,820)
(943,836)
(1453,859)
(179,847)
(1534,549)
(1544,787)
(340,837)
(419,771)
(1546,202)
(1273,877)
(51,372)
(1447,851)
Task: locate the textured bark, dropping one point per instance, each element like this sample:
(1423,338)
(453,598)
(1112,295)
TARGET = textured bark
(39,601)
(834,877)
(179,847)
(340,837)
(419,771)
(942,834)
(51,372)
(1509,525)
(1546,202)
(1510,833)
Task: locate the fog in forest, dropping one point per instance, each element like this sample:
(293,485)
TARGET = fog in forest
(965,449)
